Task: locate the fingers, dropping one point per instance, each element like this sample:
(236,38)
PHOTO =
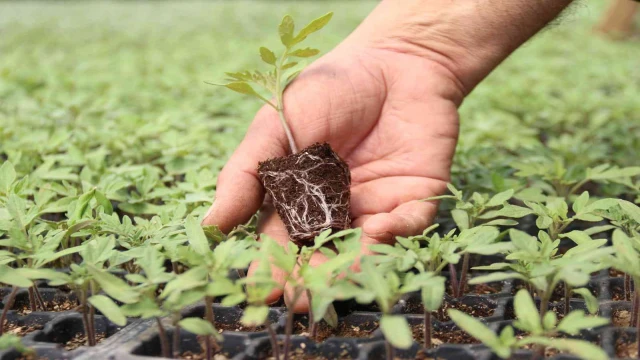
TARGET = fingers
(239,192)
(405,220)
(271,225)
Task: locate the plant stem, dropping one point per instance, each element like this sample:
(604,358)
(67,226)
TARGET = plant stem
(32,300)
(313,328)
(8,305)
(289,329)
(85,316)
(453,276)
(164,340)
(637,321)
(274,341)
(280,104)
(176,335)
(92,320)
(544,303)
(627,290)
(389,350)
(567,298)
(427,330)
(636,310)
(463,275)
(208,301)
(39,298)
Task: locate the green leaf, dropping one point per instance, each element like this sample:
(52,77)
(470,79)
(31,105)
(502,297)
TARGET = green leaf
(590,300)
(480,331)
(286,31)
(7,176)
(583,349)
(433,294)
(493,277)
(9,276)
(109,309)
(580,202)
(312,27)
(267,56)
(244,88)
(199,327)
(576,321)
(578,237)
(305,53)
(254,315)
(630,209)
(197,239)
(549,320)
(396,331)
(113,286)
(461,218)
(500,198)
(527,315)
(104,202)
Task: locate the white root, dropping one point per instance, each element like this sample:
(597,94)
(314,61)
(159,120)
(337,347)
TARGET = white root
(297,211)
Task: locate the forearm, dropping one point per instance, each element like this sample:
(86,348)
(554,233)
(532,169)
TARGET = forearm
(467,37)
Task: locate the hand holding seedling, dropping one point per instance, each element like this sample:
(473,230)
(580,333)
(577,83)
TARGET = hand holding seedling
(386,100)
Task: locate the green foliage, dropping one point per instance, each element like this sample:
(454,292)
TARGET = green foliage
(540,331)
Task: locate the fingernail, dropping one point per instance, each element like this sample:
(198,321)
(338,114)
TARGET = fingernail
(208,211)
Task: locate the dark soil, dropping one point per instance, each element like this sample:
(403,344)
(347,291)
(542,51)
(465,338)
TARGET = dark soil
(21,330)
(478,310)
(443,337)
(239,327)
(621,318)
(343,330)
(626,350)
(302,184)
(81,340)
(51,306)
(615,273)
(480,289)
(202,356)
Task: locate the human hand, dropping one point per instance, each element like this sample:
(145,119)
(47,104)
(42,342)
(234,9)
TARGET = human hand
(391,116)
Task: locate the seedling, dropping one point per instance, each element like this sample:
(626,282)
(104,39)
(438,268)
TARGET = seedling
(479,210)
(542,331)
(536,264)
(315,179)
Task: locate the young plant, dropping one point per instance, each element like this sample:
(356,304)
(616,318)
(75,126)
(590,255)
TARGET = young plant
(385,288)
(11,341)
(535,262)
(321,283)
(315,179)
(542,331)
(626,258)
(479,210)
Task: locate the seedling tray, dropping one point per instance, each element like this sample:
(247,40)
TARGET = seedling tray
(139,339)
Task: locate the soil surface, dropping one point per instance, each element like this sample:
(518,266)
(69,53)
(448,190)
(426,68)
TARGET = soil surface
(81,340)
(202,356)
(21,330)
(617,292)
(615,273)
(482,289)
(310,191)
(479,310)
(299,354)
(50,306)
(237,327)
(626,350)
(343,330)
(621,318)
(443,337)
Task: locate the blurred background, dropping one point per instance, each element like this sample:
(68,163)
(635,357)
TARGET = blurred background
(122,83)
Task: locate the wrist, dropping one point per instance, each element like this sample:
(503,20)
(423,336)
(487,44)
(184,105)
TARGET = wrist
(468,38)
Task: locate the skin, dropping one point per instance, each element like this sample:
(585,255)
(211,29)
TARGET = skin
(386,100)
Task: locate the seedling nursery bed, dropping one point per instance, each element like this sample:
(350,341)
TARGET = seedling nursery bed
(535,252)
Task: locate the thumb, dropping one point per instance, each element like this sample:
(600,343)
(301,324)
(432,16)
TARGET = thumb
(239,192)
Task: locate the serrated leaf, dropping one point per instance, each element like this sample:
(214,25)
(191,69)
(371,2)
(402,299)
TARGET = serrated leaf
(9,276)
(576,321)
(199,327)
(461,218)
(254,315)
(500,198)
(312,27)
(7,176)
(580,202)
(285,30)
(109,309)
(197,239)
(267,56)
(396,331)
(479,331)
(113,286)
(527,315)
(631,209)
(305,53)
(589,299)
